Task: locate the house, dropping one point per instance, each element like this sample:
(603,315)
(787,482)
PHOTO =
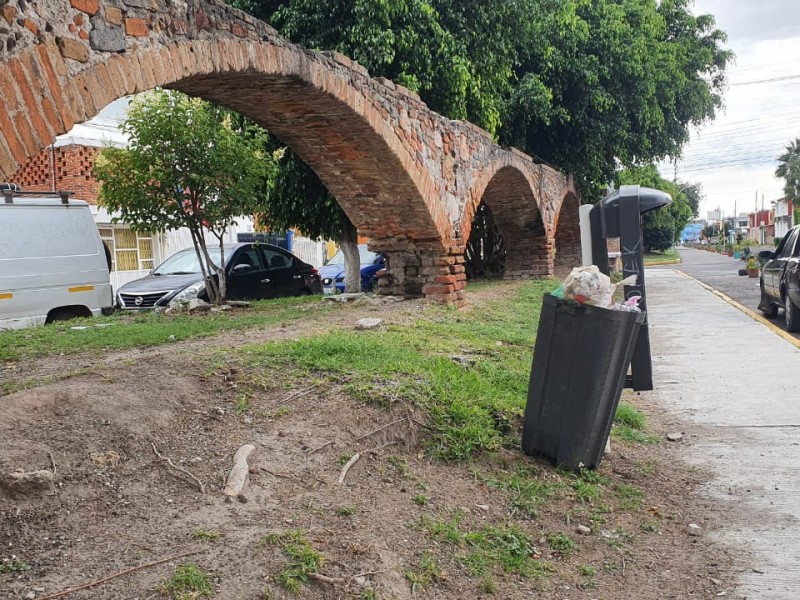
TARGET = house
(761,227)
(784,216)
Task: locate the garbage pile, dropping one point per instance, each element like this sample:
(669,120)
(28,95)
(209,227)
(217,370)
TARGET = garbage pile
(587,285)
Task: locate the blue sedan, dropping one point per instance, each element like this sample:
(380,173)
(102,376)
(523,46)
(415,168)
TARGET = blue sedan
(332,273)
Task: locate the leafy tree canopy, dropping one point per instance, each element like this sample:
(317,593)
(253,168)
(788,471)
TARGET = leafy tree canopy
(186,165)
(585,85)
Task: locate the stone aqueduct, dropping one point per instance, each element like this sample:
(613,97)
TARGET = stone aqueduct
(409,178)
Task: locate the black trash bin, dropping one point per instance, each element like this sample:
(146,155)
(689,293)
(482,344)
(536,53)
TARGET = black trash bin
(580,361)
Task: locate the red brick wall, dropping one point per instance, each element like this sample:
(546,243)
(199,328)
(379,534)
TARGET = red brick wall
(69,166)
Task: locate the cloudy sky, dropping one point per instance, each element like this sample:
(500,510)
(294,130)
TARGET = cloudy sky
(734,157)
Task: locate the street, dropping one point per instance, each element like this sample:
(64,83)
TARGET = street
(722,273)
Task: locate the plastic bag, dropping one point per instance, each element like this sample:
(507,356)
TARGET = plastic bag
(587,285)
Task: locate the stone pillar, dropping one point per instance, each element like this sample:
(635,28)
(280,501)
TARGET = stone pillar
(433,274)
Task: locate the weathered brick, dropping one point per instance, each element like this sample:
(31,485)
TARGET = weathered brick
(8,13)
(90,7)
(15,144)
(23,81)
(26,135)
(136,27)
(113,15)
(73,49)
(31,26)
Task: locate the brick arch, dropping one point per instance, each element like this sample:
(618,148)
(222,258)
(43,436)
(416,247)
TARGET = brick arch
(511,195)
(567,234)
(326,121)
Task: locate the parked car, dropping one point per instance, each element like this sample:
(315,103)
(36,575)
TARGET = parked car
(333,272)
(253,272)
(780,280)
(53,264)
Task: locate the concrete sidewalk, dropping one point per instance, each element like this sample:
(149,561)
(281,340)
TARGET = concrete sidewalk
(739,380)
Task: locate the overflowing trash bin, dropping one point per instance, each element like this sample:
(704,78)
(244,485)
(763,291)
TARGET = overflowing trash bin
(589,336)
(580,361)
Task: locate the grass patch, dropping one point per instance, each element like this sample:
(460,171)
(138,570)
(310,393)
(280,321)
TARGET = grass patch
(560,543)
(469,408)
(425,572)
(208,535)
(187,582)
(13,564)
(660,258)
(303,559)
(126,330)
(505,546)
(526,491)
(630,425)
(421,499)
(346,511)
(630,497)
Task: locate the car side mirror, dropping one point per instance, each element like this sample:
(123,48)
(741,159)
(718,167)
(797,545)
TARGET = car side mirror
(766,255)
(241,269)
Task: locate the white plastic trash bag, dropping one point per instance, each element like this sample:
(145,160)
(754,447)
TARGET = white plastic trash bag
(587,285)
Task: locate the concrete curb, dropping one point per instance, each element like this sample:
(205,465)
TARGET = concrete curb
(752,314)
(658,263)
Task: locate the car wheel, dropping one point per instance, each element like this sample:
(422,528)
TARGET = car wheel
(767,308)
(792,314)
(61,315)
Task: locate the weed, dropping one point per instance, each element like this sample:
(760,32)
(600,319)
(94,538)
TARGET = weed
(488,585)
(343,459)
(649,527)
(610,567)
(560,543)
(346,511)
(424,573)
(368,594)
(204,534)
(630,417)
(445,531)
(188,582)
(13,564)
(303,559)
(399,463)
(629,434)
(630,497)
(587,492)
(242,404)
(527,491)
(586,571)
(421,499)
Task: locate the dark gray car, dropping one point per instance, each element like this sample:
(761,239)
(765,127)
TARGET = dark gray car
(780,280)
(253,272)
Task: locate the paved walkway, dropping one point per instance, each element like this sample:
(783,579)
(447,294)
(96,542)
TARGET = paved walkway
(741,381)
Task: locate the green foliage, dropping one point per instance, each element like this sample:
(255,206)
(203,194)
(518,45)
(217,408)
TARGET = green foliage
(186,165)
(526,491)
(204,534)
(560,542)
(188,582)
(789,170)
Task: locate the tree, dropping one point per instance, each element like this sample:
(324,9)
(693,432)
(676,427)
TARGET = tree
(604,83)
(789,170)
(185,166)
(662,227)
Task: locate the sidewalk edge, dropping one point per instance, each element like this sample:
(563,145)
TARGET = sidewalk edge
(750,313)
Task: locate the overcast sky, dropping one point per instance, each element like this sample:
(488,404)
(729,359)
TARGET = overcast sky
(734,158)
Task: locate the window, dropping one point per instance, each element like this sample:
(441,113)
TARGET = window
(130,251)
(788,244)
(248,256)
(276,260)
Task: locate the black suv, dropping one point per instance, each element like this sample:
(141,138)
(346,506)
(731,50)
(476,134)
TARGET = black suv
(780,280)
(253,272)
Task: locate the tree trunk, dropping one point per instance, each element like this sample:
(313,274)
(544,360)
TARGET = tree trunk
(348,242)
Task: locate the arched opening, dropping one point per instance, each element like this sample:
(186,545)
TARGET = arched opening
(485,254)
(567,236)
(513,207)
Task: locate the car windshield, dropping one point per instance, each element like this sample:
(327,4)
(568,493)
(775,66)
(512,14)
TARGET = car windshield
(366,257)
(185,262)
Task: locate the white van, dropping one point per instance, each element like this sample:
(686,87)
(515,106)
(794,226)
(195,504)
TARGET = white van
(53,265)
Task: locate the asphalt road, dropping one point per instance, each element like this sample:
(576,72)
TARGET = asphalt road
(722,273)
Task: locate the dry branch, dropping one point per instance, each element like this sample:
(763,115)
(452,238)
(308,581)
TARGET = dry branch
(379,429)
(317,449)
(347,467)
(299,394)
(238,475)
(120,574)
(181,469)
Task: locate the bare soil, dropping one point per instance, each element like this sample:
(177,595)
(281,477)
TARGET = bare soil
(111,503)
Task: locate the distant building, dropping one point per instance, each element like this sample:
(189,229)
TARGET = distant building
(692,233)
(784,216)
(714,215)
(761,227)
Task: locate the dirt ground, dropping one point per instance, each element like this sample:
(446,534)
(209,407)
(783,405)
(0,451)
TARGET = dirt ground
(128,440)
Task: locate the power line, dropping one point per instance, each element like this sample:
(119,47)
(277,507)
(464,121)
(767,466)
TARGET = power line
(770,80)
